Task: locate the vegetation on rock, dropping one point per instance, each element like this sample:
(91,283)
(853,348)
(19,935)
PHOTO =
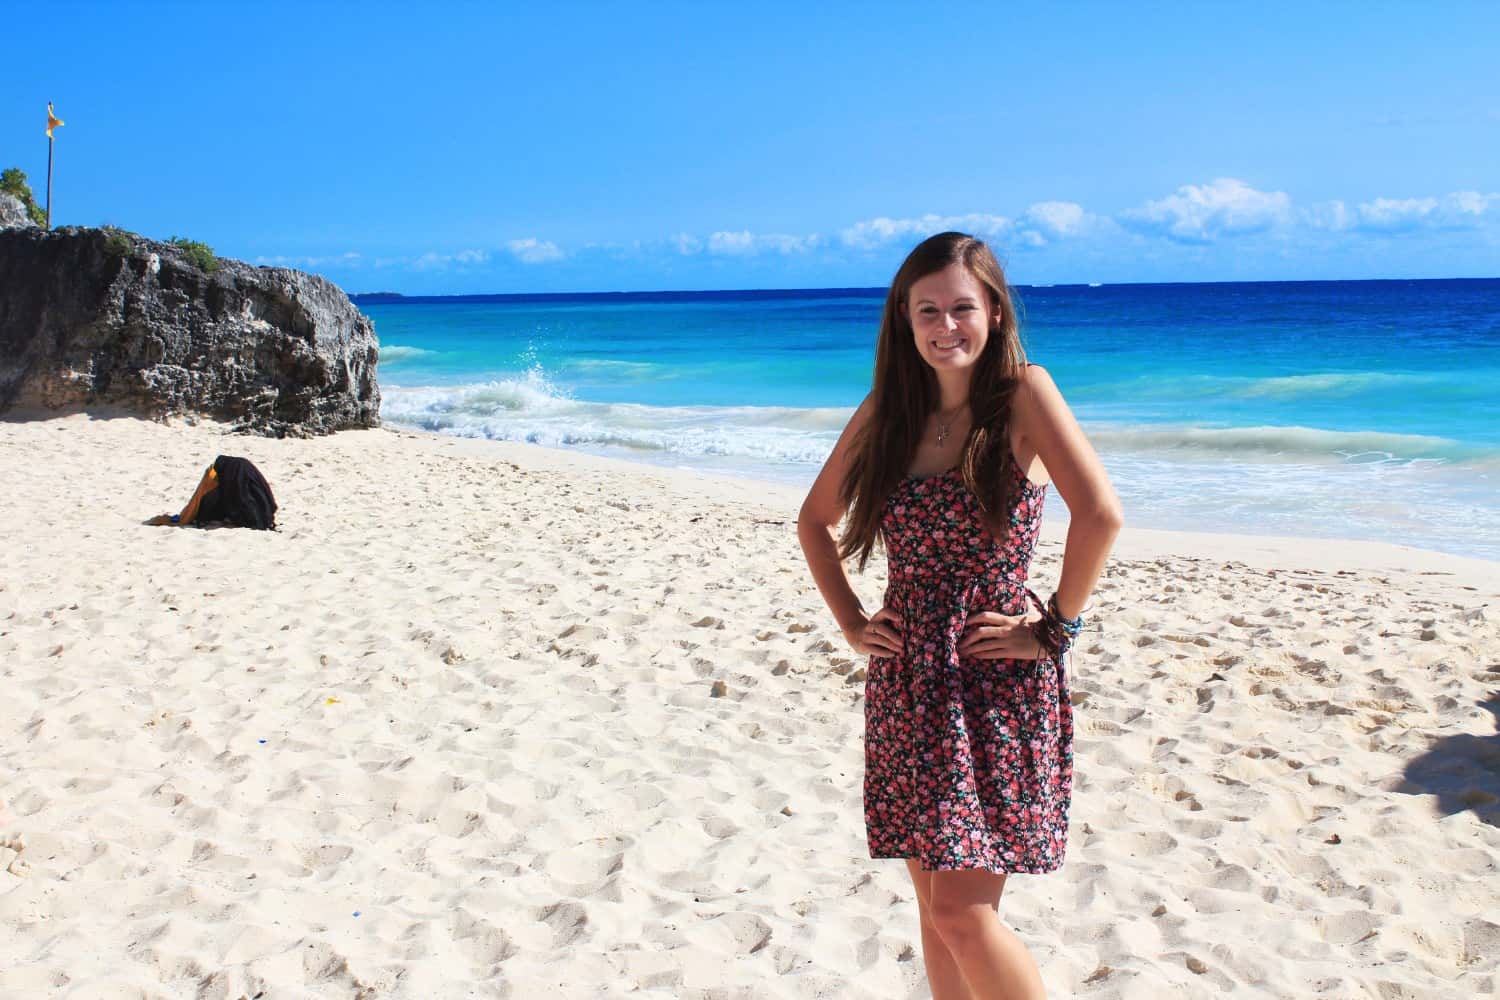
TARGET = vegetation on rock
(13,182)
(199,254)
(117,241)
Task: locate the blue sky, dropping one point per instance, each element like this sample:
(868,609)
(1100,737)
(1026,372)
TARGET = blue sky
(495,148)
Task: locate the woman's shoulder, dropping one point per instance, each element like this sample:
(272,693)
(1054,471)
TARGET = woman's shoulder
(1033,391)
(1035,379)
(863,413)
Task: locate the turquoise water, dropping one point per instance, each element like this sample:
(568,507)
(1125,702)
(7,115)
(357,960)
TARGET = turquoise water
(1342,409)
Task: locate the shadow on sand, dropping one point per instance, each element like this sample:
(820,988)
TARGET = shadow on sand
(34,414)
(1463,771)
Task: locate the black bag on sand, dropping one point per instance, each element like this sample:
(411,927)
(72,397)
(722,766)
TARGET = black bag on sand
(242,498)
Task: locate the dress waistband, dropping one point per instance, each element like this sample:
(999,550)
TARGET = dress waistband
(957,593)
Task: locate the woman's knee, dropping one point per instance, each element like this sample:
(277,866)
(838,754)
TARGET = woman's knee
(963,904)
(958,924)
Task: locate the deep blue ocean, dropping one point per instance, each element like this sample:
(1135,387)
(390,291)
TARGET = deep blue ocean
(1348,409)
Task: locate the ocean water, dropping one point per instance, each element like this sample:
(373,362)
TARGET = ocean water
(1356,409)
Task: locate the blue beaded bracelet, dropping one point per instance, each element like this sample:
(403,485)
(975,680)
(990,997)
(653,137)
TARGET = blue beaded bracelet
(1054,632)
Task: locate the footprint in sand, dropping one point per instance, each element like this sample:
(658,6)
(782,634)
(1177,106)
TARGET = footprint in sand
(568,919)
(1189,800)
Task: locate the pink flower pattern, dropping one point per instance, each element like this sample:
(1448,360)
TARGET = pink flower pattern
(968,762)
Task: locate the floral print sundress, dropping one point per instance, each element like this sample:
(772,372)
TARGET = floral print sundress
(968,762)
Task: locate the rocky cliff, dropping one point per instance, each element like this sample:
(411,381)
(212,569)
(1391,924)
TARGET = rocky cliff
(101,316)
(13,213)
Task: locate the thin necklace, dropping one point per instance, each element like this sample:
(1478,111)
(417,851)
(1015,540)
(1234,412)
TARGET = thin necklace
(943,425)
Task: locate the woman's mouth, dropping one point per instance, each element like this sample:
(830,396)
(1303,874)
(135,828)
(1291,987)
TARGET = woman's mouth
(950,345)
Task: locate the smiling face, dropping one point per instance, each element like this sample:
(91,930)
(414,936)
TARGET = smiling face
(950,315)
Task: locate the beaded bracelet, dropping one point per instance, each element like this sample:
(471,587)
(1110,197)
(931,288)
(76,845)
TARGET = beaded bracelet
(1054,632)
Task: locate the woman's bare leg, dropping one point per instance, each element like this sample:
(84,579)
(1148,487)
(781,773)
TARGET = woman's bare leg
(993,961)
(207,484)
(943,977)
(189,513)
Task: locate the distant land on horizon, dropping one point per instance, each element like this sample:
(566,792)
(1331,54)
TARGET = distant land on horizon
(753,294)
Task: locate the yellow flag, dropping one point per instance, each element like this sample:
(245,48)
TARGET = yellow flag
(52,120)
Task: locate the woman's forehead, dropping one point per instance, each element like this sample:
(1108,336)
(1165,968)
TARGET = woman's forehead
(953,282)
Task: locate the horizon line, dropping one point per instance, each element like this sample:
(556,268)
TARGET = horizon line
(831,291)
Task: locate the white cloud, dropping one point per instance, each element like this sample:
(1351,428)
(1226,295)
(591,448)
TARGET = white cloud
(1454,211)
(432,260)
(534,251)
(745,243)
(349,259)
(790,244)
(1472,202)
(1458,210)
(1063,218)
(1047,221)
(1333,215)
(731,243)
(1194,215)
(1223,207)
(881,231)
(1396,213)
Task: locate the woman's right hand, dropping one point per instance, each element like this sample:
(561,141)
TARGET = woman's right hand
(878,635)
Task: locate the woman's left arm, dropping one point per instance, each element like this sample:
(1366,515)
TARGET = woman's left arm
(1043,418)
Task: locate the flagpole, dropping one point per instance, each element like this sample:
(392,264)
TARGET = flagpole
(52,122)
(49,178)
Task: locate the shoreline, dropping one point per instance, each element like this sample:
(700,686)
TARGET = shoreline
(1264,551)
(1269,551)
(488,717)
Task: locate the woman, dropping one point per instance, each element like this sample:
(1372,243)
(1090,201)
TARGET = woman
(968,727)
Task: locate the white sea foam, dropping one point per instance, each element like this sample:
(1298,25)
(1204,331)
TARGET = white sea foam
(616,368)
(1413,488)
(1446,507)
(1335,384)
(400,352)
(1282,444)
(532,409)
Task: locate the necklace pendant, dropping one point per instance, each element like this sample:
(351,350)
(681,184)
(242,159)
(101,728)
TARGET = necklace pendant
(942,435)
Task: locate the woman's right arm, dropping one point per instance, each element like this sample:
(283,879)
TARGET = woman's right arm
(817,523)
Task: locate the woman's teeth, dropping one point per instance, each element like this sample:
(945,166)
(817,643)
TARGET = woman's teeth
(948,345)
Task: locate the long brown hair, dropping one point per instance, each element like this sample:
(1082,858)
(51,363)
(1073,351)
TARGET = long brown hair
(906,392)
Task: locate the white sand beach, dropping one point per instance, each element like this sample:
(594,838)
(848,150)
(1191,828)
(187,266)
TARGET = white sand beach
(487,720)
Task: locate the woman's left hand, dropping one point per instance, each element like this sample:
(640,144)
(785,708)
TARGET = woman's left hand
(989,635)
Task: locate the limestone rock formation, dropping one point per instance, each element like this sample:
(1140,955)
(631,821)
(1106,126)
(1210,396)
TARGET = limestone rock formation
(13,213)
(105,317)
